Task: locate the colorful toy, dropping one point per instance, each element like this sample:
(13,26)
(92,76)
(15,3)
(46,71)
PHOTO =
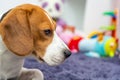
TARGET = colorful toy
(103,45)
(93,34)
(99,47)
(113,26)
(66,34)
(73,44)
(55,9)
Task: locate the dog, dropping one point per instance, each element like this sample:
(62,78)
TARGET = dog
(28,30)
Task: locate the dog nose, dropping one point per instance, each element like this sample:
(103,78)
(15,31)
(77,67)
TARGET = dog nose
(67,53)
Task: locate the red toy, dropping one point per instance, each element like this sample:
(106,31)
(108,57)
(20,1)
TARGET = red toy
(73,44)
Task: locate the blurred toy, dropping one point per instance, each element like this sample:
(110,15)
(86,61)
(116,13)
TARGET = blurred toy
(108,30)
(113,25)
(55,10)
(102,46)
(93,34)
(65,33)
(54,7)
(73,44)
(96,46)
(70,33)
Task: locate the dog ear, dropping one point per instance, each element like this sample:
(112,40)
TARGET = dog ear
(4,15)
(16,32)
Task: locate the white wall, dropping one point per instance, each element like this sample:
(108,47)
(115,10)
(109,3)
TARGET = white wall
(5,5)
(74,12)
(93,14)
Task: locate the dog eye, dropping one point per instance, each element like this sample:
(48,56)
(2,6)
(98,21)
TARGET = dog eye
(47,32)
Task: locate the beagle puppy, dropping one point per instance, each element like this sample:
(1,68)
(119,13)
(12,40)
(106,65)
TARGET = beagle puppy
(27,30)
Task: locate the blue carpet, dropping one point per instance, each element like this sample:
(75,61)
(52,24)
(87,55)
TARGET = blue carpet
(80,67)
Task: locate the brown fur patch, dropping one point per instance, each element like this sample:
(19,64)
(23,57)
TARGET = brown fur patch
(22,30)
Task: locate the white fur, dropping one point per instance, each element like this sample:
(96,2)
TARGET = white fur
(11,65)
(55,51)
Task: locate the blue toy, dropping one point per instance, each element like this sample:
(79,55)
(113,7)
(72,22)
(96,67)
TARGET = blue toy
(101,46)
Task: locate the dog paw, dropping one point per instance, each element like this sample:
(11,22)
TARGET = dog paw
(31,74)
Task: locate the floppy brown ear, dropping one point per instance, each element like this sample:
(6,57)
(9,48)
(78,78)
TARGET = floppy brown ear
(16,32)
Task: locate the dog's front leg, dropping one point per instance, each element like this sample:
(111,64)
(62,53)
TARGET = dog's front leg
(31,74)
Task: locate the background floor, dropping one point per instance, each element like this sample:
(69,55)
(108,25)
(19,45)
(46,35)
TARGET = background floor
(80,67)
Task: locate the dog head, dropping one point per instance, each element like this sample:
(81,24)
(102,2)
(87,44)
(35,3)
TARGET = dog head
(29,29)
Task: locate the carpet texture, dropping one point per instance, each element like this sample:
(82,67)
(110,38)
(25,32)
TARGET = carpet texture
(79,67)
